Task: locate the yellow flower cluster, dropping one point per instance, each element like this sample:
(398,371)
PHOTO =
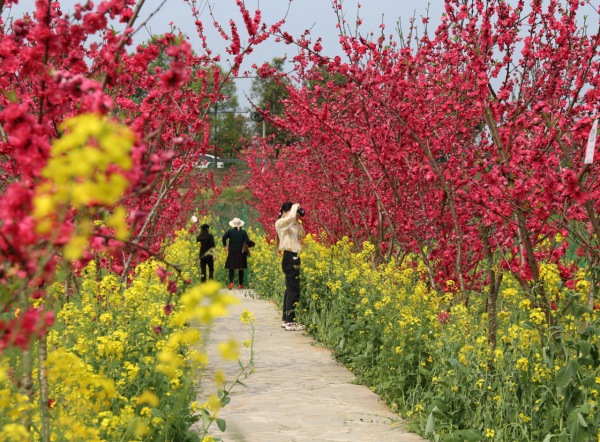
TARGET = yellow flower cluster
(397,333)
(13,406)
(120,366)
(79,173)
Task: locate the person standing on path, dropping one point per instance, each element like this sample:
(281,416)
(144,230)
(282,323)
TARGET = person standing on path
(289,233)
(207,252)
(236,259)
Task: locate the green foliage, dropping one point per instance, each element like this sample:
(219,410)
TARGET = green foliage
(230,129)
(536,384)
(268,94)
(230,133)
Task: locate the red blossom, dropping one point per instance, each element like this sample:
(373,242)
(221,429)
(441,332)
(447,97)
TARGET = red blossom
(20,331)
(418,146)
(162,273)
(57,65)
(443,317)
(168,308)
(172,287)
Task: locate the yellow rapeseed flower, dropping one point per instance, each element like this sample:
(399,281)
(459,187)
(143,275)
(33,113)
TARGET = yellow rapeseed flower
(229,350)
(15,433)
(524,417)
(247,317)
(525,304)
(148,397)
(80,172)
(522,364)
(537,316)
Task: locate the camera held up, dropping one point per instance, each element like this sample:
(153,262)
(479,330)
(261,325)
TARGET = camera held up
(300,211)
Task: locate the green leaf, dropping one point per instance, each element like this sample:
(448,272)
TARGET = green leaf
(547,355)
(430,426)
(453,362)
(439,406)
(552,413)
(192,437)
(586,408)
(565,374)
(225,400)
(585,347)
(221,424)
(205,416)
(581,420)
(464,435)
(424,371)
(471,435)
(579,434)
(10,95)
(577,427)
(590,381)
(548,437)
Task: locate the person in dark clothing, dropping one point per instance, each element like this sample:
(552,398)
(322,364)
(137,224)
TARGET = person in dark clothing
(236,259)
(207,252)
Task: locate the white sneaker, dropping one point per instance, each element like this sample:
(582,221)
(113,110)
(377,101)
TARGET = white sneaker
(283,324)
(294,326)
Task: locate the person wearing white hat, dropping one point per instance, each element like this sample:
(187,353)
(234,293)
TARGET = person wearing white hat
(233,241)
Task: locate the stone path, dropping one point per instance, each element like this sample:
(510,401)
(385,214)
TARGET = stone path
(298,392)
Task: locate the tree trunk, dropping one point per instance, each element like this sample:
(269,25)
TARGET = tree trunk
(494,289)
(43,380)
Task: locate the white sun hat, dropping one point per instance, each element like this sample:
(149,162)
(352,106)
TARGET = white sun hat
(236,222)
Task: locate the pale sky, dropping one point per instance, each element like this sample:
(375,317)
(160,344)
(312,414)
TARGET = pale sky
(316,15)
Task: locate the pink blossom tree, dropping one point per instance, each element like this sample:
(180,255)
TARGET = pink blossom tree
(458,146)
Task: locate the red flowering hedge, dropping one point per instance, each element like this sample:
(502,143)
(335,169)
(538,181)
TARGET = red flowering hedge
(56,65)
(465,145)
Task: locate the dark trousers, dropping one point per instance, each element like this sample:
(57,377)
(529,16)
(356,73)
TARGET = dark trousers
(204,263)
(240,276)
(290,264)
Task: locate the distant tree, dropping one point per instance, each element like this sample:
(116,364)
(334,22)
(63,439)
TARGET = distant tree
(229,128)
(162,61)
(267,93)
(320,76)
(229,132)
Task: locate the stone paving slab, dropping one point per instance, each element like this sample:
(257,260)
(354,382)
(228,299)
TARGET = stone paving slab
(298,392)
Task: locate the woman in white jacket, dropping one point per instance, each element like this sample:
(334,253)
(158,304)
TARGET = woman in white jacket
(289,234)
